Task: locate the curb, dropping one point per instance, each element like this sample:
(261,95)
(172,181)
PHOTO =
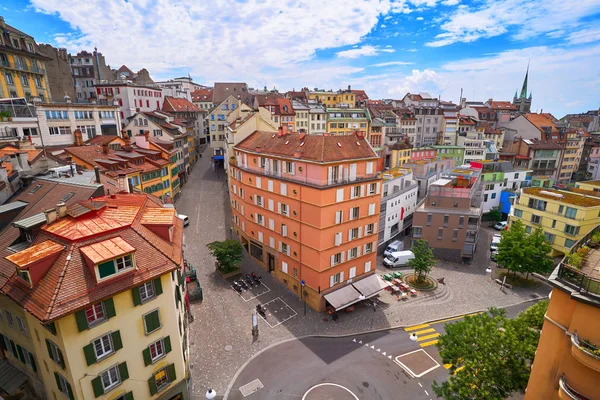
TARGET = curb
(389,328)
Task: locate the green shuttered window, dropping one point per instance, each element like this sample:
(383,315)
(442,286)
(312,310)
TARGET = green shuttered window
(161,379)
(156,350)
(146,291)
(95,314)
(151,321)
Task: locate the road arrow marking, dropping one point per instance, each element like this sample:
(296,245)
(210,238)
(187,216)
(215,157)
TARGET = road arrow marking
(354,340)
(379,350)
(373,347)
(390,356)
(360,342)
(367,344)
(384,353)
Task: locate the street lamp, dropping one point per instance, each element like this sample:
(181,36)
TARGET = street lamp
(210,394)
(413,337)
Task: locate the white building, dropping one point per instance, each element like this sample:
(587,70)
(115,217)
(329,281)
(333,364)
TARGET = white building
(318,118)
(131,98)
(22,122)
(301,118)
(398,203)
(179,87)
(217,122)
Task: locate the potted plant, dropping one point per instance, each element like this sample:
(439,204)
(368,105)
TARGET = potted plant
(574,260)
(583,251)
(5,116)
(594,240)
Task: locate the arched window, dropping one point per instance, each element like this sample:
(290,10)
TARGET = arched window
(135,122)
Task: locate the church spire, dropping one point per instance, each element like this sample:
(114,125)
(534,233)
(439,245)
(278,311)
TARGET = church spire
(524,88)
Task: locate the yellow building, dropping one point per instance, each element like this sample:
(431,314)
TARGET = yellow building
(567,364)
(399,154)
(334,99)
(572,156)
(565,216)
(592,186)
(114,326)
(343,121)
(22,68)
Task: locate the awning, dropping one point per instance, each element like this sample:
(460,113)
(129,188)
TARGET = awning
(370,285)
(219,157)
(11,379)
(343,297)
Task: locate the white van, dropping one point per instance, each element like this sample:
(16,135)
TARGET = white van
(398,259)
(393,247)
(184,218)
(495,242)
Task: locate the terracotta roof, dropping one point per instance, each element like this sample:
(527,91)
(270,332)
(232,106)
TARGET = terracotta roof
(107,250)
(540,121)
(297,95)
(285,107)
(103,139)
(318,148)
(34,254)
(178,104)
(69,284)
(158,216)
(361,95)
(202,95)
(8,149)
(502,105)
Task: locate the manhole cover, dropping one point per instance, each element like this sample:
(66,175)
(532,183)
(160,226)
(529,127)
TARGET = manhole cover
(228,347)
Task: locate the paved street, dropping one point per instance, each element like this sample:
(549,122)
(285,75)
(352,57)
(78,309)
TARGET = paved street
(220,335)
(382,365)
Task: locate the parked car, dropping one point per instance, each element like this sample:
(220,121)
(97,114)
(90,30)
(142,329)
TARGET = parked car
(184,218)
(493,255)
(495,241)
(395,246)
(398,259)
(500,226)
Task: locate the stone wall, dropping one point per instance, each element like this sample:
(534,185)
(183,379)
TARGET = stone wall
(60,82)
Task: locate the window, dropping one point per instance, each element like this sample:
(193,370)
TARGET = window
(549,237)
(151,321)
(339,195)
(353,234)
(372,207)
(455,235)
(24,274)
(116,266)
(110,378)
(352,253)
(9,78)
(285,209)
(157,350)
(372,188)
(21,325)
(536,219)
(569,243)
(339,216)
(368,248)
(571,230)
(518,213)
(284,230)
(63,386)
(417,232)
(571,213)
(284,267)
(283,189)
(335,279)
(102,346)
(337,259)
(147,291)
(260,201)
(355,192)
(285,248)
(355,213)
(369,229)
(440,233)
(429,217)
(289,168)
(260,219)
(528,229)
(537,204)
(54,353)
(162,378)
(446,218)
(95,313)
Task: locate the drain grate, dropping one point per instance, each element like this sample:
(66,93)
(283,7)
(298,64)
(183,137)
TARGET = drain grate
(251,387)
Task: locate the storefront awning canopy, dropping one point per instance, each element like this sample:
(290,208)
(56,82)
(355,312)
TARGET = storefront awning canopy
(11,379)
(369,286)
(343,297)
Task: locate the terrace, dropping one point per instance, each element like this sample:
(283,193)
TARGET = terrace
(580,269)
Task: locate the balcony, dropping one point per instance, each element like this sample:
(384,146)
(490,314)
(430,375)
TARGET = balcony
(584,353)
(565,392)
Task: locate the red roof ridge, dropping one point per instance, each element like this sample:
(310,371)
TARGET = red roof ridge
(59,282)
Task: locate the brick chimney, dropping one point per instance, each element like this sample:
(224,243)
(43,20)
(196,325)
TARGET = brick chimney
(105,148)
(78,137)
(302,135)
(127,140)
(147,135)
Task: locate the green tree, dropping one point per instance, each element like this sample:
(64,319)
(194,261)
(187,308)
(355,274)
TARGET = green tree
(536,253)
(511,251)
(490,356)
(533,317)
(228,253)
(494,214)
(423,260)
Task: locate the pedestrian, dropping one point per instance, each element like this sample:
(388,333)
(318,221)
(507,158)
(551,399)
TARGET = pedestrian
(334,316)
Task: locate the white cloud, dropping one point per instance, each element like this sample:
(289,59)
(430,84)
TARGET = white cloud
(450,2)
(215,40)
(383,25)
(528,17)
(585,36)
(363,51)
(391,63)
(420,18)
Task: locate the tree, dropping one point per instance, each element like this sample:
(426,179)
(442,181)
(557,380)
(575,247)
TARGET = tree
(510,249)
(423,260)
(228,253)
(533,317)
(537,249)
(495,215)
(490,356)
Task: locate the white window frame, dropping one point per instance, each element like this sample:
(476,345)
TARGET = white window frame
(64,388)
(339,195)
(283,189)
(367,266)
(285,209)
(121,263)
(284,267)
(107,373)
(147,291)
(106,345)
(96,310)
(339,217)
(352,273)
(162,348)
(21,325)
(372,207)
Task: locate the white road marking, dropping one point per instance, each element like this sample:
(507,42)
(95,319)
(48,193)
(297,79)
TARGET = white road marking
(420,384)
(409,371)
(384,353)
(328,384)
(258,295)
(426,392)
(280,322)
(379,350)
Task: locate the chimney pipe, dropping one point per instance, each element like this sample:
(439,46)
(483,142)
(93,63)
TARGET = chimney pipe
(78,137)
(97,171)
(105,148)
(61,209)
(147,135)
(50,215)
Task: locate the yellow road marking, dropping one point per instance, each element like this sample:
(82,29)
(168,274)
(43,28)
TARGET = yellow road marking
(455,318)
(447,366)
(434,335)
(414,328)
(428,343)
(425,331)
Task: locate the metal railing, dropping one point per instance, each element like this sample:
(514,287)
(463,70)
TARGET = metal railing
(583,283)
(564,386)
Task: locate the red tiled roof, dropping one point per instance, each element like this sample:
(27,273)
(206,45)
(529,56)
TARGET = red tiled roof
(69,284)
(361,95)
(178,104)
(318,148)
(8,149)
(502,105)
(35,253)
(285,107)
(202,95)
(103,139)
(266,100)
(107,249)
(541,120)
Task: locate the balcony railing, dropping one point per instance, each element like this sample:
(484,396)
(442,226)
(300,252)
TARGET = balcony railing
(584,353)
(583,283)
(566,392)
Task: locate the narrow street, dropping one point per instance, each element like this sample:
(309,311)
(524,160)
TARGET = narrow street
(220,334)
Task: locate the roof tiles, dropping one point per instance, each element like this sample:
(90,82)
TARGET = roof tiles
(107,249)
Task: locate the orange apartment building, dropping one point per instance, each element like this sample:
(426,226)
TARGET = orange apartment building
(306,208)
(567,360)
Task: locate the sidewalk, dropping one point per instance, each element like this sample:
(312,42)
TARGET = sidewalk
(220,336)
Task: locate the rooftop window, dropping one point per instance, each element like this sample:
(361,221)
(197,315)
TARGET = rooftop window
(114,267)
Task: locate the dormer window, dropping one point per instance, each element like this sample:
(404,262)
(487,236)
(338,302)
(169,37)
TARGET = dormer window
(24,275)
(114,267)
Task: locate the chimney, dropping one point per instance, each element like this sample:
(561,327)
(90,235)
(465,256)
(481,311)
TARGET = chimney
(78,137)
(302,135)
(284,130)
(61,209)
(280,131)
(123,184)
(97,172)
(349,88)
(147,135)
(105,148)
(127,140)
(137,110)
(51,215)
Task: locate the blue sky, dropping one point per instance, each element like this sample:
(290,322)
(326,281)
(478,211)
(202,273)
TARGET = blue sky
(387,47)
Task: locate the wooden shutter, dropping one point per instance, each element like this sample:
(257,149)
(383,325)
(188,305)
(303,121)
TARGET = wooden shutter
(332,260)
(152,385)
(339,195)
(61,360)
(2,342)
(109,308)
(90,354)
(20,353)
(82,323)
(123,372)
(49,346)
(167,343)
(293,168)
(367,266)
(349,234)
(116,339)
(341,276)
(135,293)
(129,396)
(147,356)
(331,282)
(360,231)
(97,386)
(14,349)
(157,287)
(171,372)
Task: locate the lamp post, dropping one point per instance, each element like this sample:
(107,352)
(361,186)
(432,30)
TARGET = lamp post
(210,394)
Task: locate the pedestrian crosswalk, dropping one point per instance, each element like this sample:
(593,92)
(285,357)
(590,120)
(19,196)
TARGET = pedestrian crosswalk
(426,335)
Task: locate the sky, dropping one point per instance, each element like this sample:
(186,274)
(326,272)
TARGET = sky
(385,47)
